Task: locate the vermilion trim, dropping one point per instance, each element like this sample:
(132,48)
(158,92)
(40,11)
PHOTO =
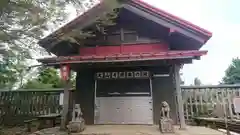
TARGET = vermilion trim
(130,48)
(125,57)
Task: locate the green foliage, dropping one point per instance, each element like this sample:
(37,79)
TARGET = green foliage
(232,74)
(35,84)
(12,70)
(106,18)
(47,78)
(24,23)
(7,74)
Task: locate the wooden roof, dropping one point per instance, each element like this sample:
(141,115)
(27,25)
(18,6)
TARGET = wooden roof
(175,24)
(170,55)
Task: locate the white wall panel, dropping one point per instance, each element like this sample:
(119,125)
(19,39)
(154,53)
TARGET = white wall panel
(124,110)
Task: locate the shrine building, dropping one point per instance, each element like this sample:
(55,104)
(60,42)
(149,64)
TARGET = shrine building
(125,71)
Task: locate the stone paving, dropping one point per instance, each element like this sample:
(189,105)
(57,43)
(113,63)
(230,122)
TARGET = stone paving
(196,130)
(50,131)
(130,130)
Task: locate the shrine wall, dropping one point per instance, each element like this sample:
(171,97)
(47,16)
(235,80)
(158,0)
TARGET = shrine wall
(84,94)
(162,89)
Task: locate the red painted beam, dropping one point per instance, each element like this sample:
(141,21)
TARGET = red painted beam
(126,57)
(121,49)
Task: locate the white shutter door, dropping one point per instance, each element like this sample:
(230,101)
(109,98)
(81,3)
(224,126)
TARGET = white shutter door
(142,110)
(125,110)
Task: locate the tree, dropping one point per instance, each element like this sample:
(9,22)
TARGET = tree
(197,81)
(232,74)
(23,23)
(48,78)
(26,21)
(7,73)
(12,70)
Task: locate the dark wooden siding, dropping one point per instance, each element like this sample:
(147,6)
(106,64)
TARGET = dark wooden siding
(162,89)
(85,94)
(129,29)
(124,36)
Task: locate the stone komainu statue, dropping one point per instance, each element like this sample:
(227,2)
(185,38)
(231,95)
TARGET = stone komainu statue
(165,110)
(78,123)
(77,113)
(165,123)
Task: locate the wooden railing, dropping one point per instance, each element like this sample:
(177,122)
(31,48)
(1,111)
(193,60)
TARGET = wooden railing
(200,100)
(17,106)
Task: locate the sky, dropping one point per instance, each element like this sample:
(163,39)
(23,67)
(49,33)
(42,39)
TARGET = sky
(218,16)
(221,18)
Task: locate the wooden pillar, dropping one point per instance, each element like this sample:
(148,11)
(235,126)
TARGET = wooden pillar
(176,69)
(65,72)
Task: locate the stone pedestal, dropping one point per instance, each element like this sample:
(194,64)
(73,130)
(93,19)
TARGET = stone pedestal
(166,125)
(76,126)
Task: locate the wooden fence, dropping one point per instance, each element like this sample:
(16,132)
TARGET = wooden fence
(20,105)
(202,100)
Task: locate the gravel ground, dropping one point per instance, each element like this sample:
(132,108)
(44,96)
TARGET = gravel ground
(120,130)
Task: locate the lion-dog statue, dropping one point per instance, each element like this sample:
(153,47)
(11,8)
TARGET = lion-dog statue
(165,123)
(165,110)
(78,123)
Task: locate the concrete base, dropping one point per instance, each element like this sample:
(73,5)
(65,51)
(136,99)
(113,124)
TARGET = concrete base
(130,130)
(76,126)
(145,130)
(166,125)
(182,128)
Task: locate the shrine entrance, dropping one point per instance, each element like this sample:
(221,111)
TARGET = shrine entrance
(123,98)
(121,56)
